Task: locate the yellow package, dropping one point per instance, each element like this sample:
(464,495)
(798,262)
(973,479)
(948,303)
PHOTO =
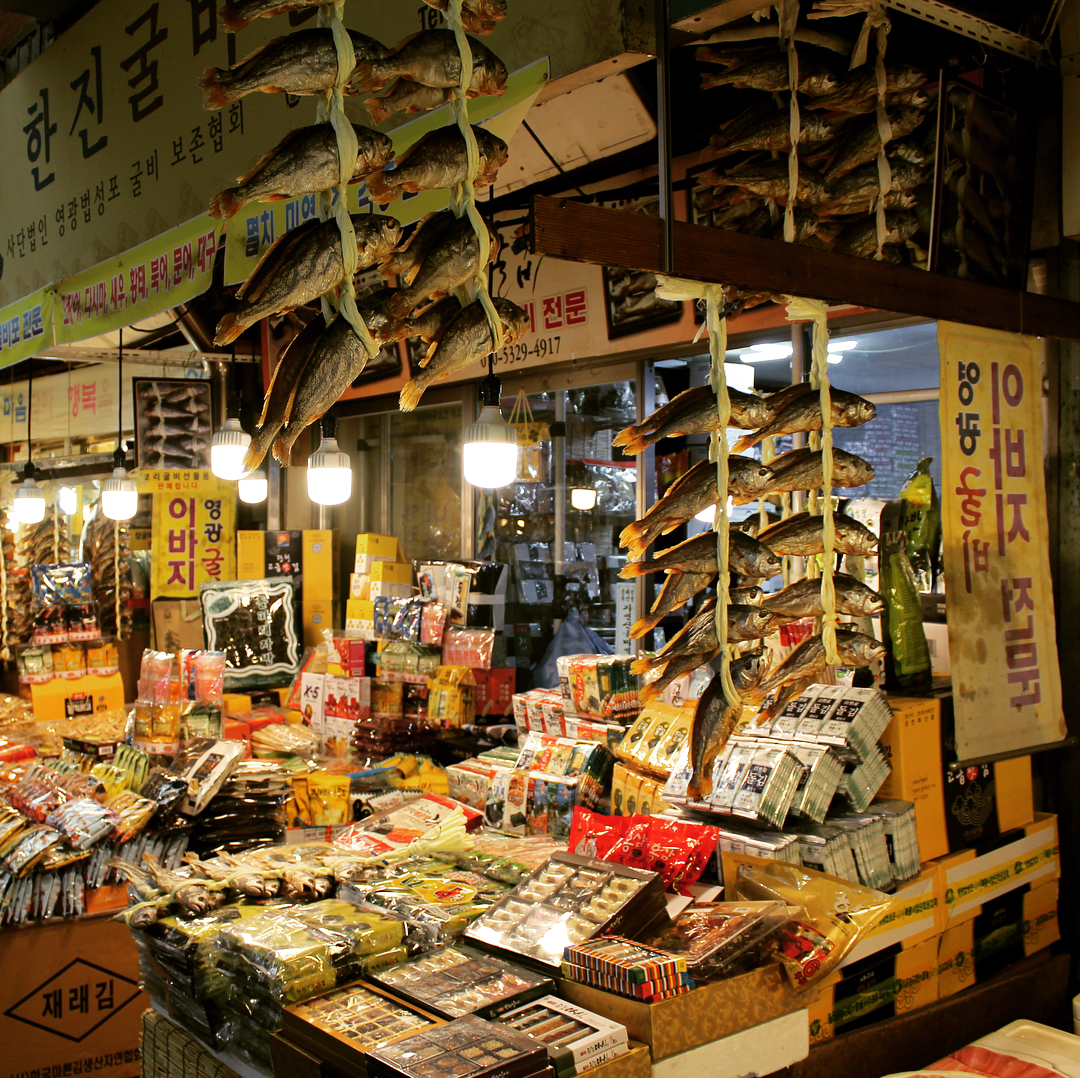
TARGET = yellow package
(834,915)
(632,801)
(451,697)
(653,723)
(298,807)
(648,791)
(618,790)
(662,742)
(328,798)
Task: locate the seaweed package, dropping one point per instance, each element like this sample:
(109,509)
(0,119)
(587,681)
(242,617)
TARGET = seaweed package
(835,915)
(920,520)
(254,623)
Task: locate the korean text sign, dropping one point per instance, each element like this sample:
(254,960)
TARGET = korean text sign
(194,535)
(1006,683)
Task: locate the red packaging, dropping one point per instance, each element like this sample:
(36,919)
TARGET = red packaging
(494,693)
(594,835)
(679,850)
(235,730)
(10,751)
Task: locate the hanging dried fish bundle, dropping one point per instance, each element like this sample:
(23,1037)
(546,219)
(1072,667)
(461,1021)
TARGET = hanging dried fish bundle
(109,554)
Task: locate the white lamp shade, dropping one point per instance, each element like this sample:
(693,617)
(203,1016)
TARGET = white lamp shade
(489,455)
(67,500)
(119,496)
(253,487)
(329,477)
(583,498)
(228,449)
(29,505)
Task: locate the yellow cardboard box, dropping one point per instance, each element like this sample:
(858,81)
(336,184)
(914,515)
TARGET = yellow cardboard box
(979,801)
(358,585)
(876,988)
(320,562)
(956,959)
(969,880)
(250,555)
(705,1014)
(65,698)
(317,615)
(392,572)
(915,914)
(1041,927)
(371,548)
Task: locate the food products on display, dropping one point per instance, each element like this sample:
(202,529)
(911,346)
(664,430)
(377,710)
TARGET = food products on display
(576,1039)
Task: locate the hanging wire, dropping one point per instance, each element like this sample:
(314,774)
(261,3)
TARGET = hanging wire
(120,393)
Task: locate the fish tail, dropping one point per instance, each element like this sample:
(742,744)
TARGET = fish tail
(631,534)
(646,664)
(401,304)
(645,625)
(410,395)
(231,19)
(378,188)
(626,437)
(747,441)
(227,203)
(367,78)
(378,109)
(229,328)
(217,86)
(260,446)
(283,450)
(636,568)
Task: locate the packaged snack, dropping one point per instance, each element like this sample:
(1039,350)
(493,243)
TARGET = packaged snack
(836,915)
(82,622)
(50,623)
(133,814)
(102,657)
(208,771)
(83,822)
(575,1039)
(35,664)
(627,968)
(69,660)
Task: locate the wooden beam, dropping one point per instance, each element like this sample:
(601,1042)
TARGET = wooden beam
(562,228)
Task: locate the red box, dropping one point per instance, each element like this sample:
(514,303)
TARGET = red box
(235,730)
(495,691)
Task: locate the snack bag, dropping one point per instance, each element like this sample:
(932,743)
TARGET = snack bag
(835,915)
(594,835)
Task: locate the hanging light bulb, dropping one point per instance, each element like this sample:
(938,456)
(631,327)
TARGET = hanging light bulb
(329,476)
(119,494)
(67,499)
(583,498)
(229,446)
(253,487)
(29,507)
(489,455)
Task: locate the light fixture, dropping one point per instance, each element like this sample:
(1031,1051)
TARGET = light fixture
(842,346)
(834,357)
(583,498)
(230,444)
(329,474)
(766,353)
(489,455)
(253,487)
(68,500)
(29,507)
(119,494)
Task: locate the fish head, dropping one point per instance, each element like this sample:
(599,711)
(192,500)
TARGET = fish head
(861,411)
(515,320)
(747,670)
(865,543)
(862,649)
(769,564)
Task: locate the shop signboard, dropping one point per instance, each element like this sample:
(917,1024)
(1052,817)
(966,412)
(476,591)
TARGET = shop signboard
(1002,637)
(26,326)
(194,531)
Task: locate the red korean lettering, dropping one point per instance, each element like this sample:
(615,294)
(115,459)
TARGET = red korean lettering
(1017,529)
(971,497)
(575,308)
(552,309)
(117,295)
(137,283)
(976,558)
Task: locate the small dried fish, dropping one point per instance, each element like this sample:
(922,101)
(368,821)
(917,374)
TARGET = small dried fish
(477,16)
(857,91)
(714,721)
(803,599)
(801,535)
(808,659)
(770,74)
(864,141)
(804,414)
(774,133)
(800,469)
(860,239)
(236,15)
(677,590)
(431,58)
(746,556)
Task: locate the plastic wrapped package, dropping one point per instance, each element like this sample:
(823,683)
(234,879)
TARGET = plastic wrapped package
(83,822)
(30,848)
(133,814)
(835,916)
(37,796)
(254,623)
(627,968)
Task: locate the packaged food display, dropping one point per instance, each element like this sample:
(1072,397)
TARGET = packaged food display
(208,771)
(468,1047)
(343,1025)
(717,939)
(459,980)
(627,968)
(568,900)
(576,1039)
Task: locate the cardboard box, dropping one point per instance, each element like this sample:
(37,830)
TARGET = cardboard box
(320,561)
(371,547)
(915,915)
(881,986)
(284,553)
(393,572)
(954,809)
(706,1014)
(71,999)
(358,585)
(956,959)
(177,624)
(360,618)
(250,555)
(316,616)
(66,698)
(385,589)
(1028,855)
(762,1049)
(312,698)
(1014,926)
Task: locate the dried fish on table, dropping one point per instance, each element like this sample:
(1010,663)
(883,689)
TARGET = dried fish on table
(803,599)
(303,162)
(804,414)
(468,339)
(437,161)
(191,893)
(431,58)
(800,535)
(857,91)
(477,16)
(451,261)
(303,63)
(746,556)
(678,589)
(808,659)
(248,882)
(688,495)
(303,265)
(864,141)
(860,239)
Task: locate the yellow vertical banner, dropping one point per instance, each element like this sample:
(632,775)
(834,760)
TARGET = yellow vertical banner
(194,534)
(1002,639)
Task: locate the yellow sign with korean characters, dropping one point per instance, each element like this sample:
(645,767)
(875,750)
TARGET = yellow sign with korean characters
(252,230)
(26,327)
(170,269)
(194,532)
(1002,638)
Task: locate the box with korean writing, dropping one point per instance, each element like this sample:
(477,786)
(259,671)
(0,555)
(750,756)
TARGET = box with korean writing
(576,1039)
(343,1026)
(468,1047)
(459,980)
(567,900)
(627,968)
